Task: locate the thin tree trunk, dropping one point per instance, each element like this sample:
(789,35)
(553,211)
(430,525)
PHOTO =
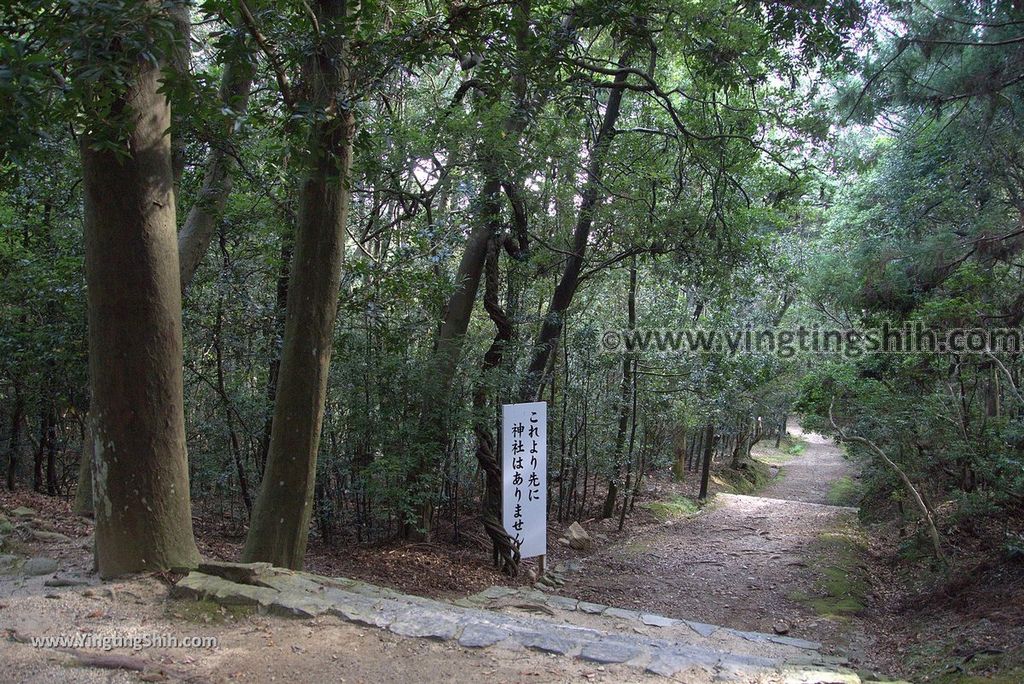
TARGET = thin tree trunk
(14,439)
(277,337)
(83,494)
(922,507)
(679,462)
(280,522)
(37,461)
(565,290)
(201,222)
(505,550)
(140,469)
(709,452)
(229,417)
(624,412)
(632,441)
(51,452)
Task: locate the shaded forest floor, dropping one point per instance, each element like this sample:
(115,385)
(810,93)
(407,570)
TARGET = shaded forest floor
(795,559)
(788,560)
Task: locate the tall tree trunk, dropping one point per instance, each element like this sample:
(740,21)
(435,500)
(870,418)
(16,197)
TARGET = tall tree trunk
(280,521)
(140,469)
(709,452)
(624,412)
(436,399)
(565,290)
(229,410)
(83,494)
(505,551)
(51,452)
(632,443)
(201,222)
(14,439)
(37,462)
(679,452)
(456,314)
(277,336)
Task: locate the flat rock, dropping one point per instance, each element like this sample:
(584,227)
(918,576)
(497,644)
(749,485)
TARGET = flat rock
(482,635)
(668,663)
(362,614)
(591,608)
(245,573)
(701,628)
(657,620)
(24,512)
(65,582)
(548,643)
(425,626)
(608,651)
(198,585)
(39,566)
(563,602)
(43,535)
(297,605)
(622,613)
(795,642)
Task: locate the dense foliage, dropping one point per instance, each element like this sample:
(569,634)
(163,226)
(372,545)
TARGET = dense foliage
(569,169)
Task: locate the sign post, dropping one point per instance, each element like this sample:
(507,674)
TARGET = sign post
(524,461)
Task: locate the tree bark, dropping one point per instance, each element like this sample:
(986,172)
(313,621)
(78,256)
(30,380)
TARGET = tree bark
(83,494)
(201,222)
(140,469)
(632,442)
(922,507)
(705,468)
(229,416)
(14,439)
(504,548)
(277,336)
(280,521)
(628,380)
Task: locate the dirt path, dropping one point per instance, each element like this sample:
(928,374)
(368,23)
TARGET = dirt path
(784,560)
(747,563)
(809,476)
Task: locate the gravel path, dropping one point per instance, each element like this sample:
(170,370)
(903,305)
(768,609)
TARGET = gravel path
(742,563)
(808,477)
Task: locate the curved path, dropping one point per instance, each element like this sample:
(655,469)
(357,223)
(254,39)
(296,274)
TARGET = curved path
(746,562)
(809,476)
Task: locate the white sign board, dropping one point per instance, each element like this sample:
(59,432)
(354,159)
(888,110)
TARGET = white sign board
(524,468)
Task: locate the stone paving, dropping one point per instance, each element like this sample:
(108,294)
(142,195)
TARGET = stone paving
(683,653)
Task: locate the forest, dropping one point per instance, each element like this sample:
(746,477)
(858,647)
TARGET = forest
(271,268)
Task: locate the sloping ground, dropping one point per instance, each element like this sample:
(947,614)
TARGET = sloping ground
(250,647)
(360,631)
(352,631)
(689,651)
(808,477)
(784,561)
